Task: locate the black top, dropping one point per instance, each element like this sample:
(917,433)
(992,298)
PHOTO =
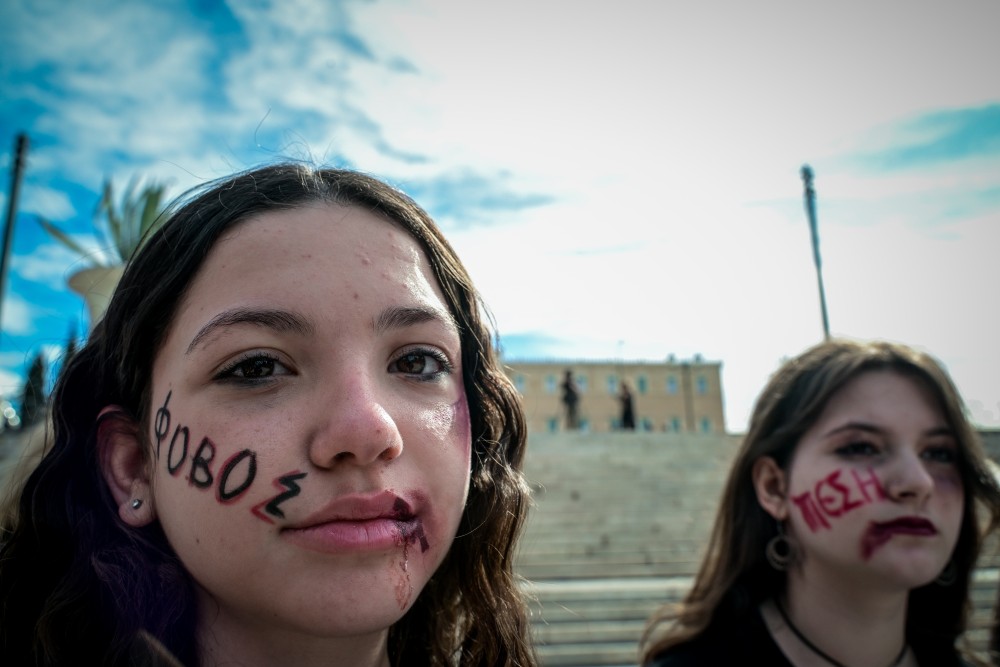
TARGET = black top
(746,643)
(749,642)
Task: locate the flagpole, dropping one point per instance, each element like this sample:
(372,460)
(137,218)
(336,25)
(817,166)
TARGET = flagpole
(810,196)
(20,150)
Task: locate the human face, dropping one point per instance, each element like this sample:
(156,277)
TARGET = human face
(309,427)
(874,488)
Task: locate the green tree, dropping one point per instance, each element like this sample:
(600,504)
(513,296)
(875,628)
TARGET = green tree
(33,397)
(119,226)
(70,348)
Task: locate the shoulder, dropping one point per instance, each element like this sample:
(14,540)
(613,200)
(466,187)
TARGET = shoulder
(688,654)
(726,643)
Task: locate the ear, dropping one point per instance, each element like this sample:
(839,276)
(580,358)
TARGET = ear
(771,485)
(125,469)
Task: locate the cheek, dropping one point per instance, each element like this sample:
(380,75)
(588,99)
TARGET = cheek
(199,461)
(948,481)
(449,425)
(835,498)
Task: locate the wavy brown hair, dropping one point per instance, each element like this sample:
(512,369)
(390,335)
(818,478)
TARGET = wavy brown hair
(78,585)
(735,575)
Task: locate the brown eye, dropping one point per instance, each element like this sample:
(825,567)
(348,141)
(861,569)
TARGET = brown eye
(252,369)
(413,363)
(255,368)
(421,364)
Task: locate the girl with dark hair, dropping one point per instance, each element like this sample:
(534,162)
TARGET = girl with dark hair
(288,441)
(849,526)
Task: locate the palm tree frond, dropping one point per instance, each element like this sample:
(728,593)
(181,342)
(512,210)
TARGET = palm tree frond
(68,241)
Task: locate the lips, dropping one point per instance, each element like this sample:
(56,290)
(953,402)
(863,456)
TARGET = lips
(879,533)
(359,522)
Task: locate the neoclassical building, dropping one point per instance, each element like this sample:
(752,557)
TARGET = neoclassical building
(672,395)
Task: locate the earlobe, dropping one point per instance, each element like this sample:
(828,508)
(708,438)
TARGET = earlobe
(124,466)
(771,486)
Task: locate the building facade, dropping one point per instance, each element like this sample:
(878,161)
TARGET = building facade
(676,396)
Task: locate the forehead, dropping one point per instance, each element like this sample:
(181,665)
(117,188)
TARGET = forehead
(312,254)
(884,397)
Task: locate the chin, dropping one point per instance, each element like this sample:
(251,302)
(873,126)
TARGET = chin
(912,574)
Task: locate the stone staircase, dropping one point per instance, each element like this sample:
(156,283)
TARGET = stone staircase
(618,528)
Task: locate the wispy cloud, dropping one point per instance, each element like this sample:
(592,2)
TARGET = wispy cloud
(467,197)
(938,138)
(49,264)
(18,315)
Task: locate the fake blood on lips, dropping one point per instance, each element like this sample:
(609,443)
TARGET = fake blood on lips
(880,533)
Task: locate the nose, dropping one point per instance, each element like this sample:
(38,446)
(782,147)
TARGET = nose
(909,479)
(354,427)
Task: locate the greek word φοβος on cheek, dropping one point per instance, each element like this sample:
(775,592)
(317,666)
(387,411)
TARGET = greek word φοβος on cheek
(288,483)
(232,479)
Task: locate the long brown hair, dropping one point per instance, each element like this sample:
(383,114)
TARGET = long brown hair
(78,585)
(735,575)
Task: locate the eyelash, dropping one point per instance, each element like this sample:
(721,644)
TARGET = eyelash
(941,454)
(227,373)
(445,366)
(858,449)
(934,453)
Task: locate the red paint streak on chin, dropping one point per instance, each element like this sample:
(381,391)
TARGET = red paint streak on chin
(412,532)
(872,540)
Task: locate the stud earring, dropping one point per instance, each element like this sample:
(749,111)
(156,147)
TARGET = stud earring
(136,503)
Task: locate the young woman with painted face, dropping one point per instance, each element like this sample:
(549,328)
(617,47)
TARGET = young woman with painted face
(288,442)
(848,529)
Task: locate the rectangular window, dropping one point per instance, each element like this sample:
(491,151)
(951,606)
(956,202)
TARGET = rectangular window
(675,424)
(581,383)
(641,384)
(519,383)
(553,424)
(612,385)
(671,385)
(702,385)
(550,384)
(706,425)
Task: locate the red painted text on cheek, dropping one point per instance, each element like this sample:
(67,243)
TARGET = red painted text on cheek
(837,494)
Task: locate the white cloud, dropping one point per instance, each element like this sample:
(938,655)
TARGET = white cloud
(51,264)
(17,315)
(46,202)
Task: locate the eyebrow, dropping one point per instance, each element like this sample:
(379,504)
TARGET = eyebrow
(871,428)
(269,318)
(400,318)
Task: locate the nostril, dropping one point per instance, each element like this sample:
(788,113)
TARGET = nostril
(341,457)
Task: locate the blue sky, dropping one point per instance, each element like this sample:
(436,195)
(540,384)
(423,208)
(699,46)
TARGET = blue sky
(622,179)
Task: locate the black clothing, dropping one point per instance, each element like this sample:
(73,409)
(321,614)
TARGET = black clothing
(746,643)
(749,642)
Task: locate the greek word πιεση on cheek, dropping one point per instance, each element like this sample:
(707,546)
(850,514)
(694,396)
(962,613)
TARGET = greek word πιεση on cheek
(831,497)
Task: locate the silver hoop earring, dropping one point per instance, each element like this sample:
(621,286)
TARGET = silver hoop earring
(780,551)
(948,575)
(136,503)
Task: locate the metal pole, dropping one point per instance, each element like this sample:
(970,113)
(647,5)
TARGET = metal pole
(810,195)
(20,150)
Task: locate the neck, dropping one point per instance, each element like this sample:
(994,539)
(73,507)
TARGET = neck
(857,628)
(223,643)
